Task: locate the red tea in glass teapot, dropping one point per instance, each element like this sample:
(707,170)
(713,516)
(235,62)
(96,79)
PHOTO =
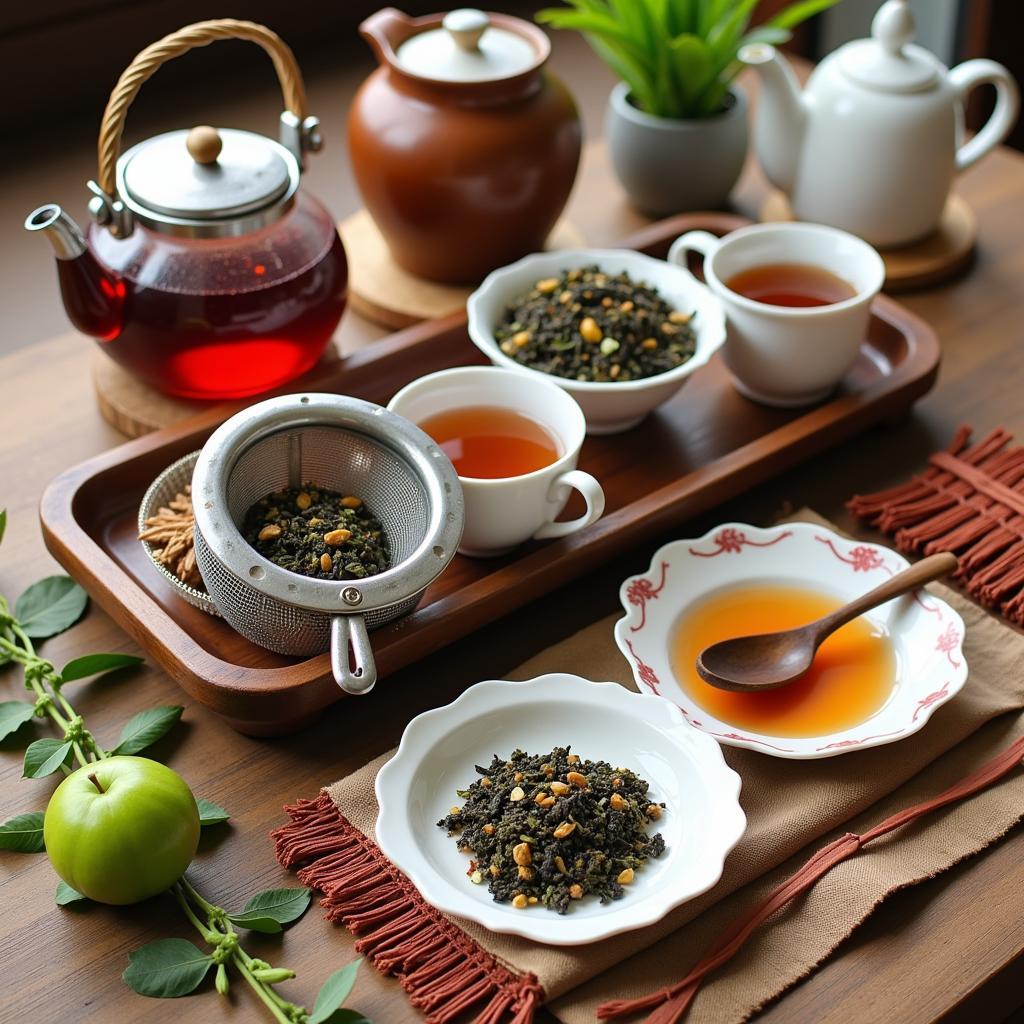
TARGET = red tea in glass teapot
(208,273)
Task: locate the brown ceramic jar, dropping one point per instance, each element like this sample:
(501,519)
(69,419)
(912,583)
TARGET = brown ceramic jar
(464,146)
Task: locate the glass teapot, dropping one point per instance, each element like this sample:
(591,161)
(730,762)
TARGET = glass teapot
(206,272)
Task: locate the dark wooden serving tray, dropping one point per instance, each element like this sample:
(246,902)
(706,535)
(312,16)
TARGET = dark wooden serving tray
(704,446)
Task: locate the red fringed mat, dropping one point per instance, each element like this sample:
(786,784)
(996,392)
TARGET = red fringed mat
(970,500)
(442,969)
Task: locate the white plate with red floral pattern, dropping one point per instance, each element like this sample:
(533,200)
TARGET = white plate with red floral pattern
(926,634)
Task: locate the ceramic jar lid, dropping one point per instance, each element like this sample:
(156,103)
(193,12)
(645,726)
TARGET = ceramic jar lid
(886,61)
(467,48)
(205,177)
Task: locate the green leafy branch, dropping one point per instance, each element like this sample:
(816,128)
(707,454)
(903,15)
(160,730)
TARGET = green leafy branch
(678,57)
(166,968)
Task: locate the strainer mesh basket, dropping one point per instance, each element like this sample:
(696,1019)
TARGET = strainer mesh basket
(336,459)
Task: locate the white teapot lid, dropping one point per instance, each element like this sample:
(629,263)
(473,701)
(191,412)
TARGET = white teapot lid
(886,61)
(467,48)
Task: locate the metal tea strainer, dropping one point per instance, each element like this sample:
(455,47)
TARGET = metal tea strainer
(342,444)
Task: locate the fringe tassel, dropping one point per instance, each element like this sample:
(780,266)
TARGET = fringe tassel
(669,1005)
(970,500)
(444,971)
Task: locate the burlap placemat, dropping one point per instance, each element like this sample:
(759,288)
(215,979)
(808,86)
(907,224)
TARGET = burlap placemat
(789,804)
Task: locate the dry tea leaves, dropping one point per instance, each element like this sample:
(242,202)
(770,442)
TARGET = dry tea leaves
(579,828)
(593,326)
(319,533)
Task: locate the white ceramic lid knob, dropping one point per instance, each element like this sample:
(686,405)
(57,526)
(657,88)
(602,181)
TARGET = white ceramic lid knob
(888,61)
(466,26)
(467,47)
(893,25)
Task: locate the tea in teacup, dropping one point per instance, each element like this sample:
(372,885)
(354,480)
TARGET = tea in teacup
(514,441)
(491,442)
(797,300)
(791,284)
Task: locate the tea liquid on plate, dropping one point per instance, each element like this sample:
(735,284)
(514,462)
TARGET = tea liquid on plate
(791,284)
(490,442)
(851,677)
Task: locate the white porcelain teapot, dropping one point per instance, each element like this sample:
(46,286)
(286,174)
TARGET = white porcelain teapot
(872,144)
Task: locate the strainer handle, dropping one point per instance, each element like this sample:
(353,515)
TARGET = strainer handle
(348,634)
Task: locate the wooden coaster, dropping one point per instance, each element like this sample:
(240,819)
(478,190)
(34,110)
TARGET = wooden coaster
(936,258)
(383,292)
(132,407)
(135,408)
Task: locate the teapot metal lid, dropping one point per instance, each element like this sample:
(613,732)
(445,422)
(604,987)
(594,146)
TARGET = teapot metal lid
(467,48)
(887,62)
(207,182)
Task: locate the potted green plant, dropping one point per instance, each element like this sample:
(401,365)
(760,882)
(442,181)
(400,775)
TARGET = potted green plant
(676,125)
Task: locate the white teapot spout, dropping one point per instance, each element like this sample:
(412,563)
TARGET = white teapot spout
(781,115)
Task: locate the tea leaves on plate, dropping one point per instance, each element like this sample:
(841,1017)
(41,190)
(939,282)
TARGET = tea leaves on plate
(554,828)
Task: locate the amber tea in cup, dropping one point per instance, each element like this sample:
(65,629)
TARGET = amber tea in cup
(515,442)
(791,284)
(492,442)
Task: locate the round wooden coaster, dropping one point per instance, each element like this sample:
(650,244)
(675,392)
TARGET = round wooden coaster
(937,258)
(132,407)
(383,292)
(135,408)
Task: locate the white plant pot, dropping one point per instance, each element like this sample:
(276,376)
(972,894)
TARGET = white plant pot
(671,166)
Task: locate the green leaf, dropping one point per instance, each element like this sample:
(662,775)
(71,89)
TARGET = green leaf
(146,728)
(23,833)
(44,757)
(3,522)
(210,813)
(333,993)
(93,664)
(712,12)
(166,969)
(691,60)
(268,911)
(13,715)
(798,12)
(641,89)
(50,606)
(344,1016)
(66,895)
(724,38)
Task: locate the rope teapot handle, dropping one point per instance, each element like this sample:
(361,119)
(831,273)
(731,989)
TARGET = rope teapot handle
(299,131)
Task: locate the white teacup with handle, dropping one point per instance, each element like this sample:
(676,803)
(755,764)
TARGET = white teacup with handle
(503,512)
(788,355)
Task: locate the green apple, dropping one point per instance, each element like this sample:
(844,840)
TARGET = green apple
(122,829)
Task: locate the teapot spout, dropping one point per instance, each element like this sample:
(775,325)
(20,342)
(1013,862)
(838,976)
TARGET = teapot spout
(93,297)
(385,30)
(781,115)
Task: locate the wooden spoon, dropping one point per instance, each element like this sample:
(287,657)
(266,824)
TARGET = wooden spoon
(768,660)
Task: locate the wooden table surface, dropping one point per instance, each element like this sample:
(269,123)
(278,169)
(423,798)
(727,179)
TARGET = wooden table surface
(950,949)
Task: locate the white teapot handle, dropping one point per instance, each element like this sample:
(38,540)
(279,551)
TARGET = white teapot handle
(964,77)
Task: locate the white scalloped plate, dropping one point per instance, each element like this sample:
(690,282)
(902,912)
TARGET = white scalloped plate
(927,634)
(602,721)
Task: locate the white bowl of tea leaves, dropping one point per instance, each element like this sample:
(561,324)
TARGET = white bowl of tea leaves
(622,332)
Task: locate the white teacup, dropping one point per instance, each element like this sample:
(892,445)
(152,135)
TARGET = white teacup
(505,511)
(788,355)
